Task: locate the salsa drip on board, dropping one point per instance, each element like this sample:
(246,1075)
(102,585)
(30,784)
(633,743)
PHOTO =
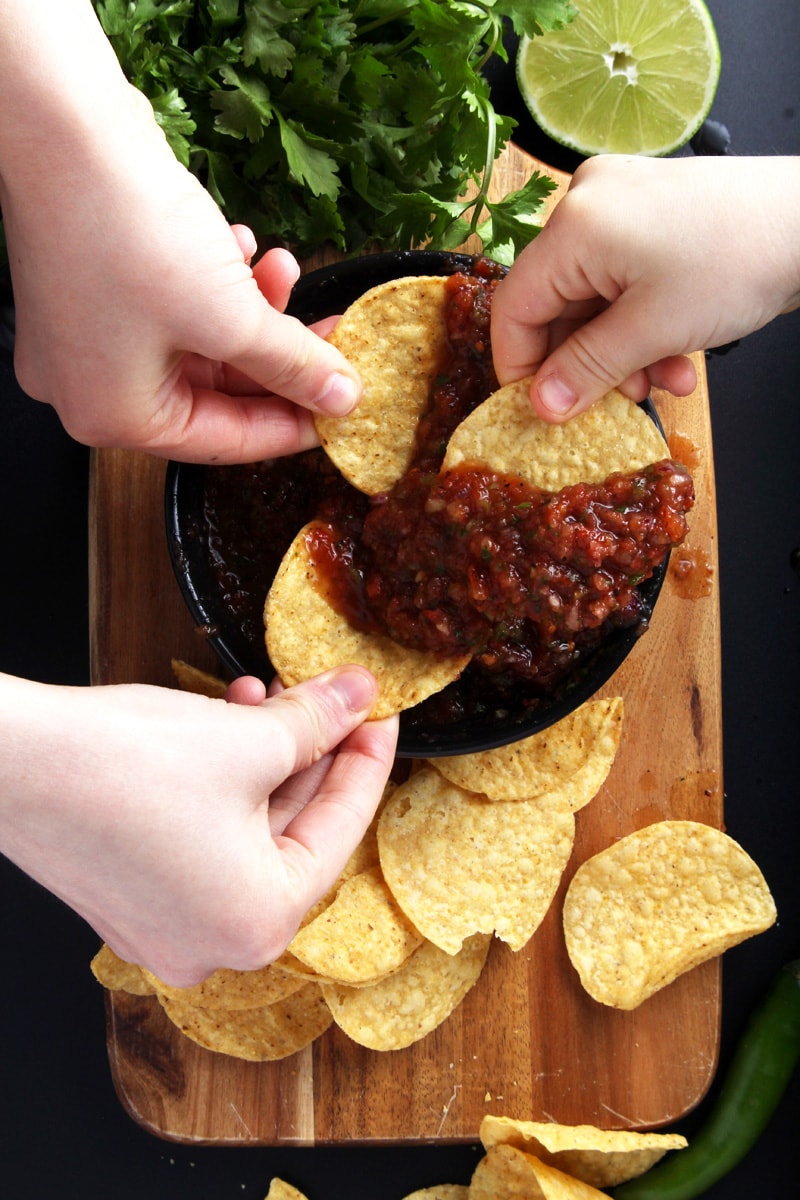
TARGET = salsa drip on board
(531,582)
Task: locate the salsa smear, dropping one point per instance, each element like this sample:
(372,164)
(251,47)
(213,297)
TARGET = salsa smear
(531,582)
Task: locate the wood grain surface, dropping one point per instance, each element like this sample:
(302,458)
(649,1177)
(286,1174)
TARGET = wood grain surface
(527,1041)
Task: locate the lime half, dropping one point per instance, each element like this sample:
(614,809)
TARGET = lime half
(625,77)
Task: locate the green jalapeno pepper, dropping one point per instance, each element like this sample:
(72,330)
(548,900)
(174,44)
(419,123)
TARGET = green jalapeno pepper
(759,1072)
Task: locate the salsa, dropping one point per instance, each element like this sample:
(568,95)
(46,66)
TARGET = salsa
(251,515)
(524,579)
(468,376)
(530,582)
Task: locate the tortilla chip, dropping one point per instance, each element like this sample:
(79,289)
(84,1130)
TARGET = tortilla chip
(444,1191)
(232,990)
(366,856)
(572,759)
(503,433)
(193,679)
(512,1174)
(657,903)
(117,975)
(396,336)
(413,1001)
(600,1157)
(279,1189)
(256,1034)
(459,864)
(305,636)
(362,936)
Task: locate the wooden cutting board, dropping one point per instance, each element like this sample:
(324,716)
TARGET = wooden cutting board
(527,1041)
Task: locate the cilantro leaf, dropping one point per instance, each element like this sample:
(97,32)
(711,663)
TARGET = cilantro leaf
(361,123)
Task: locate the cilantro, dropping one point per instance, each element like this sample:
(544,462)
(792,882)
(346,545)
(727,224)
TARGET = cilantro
(356,122)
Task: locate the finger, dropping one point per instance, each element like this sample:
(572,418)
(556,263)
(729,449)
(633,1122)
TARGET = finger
(636,386)
(542,287)
(204,372)
(324,327)
(319,840)
(276,273)
(317,715)
(284,356)
(246,241)
(223,429)
(674,374)
(248,690)
(295,793)
(520,339)
(602,354)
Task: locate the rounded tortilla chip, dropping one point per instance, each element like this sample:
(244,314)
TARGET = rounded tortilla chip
(657,903)
(409,1004)
(459,864)
(256,1034)
(305,636)
(504,433)
(571,758)
(396,337)
(363,935)
(600,1157)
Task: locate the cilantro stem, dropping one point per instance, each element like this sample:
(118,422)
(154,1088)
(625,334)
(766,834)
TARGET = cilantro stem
(494,25)
(491,151)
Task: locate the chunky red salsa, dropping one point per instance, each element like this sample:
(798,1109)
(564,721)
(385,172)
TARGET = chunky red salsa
(468,377)
(524,579)
(530,582)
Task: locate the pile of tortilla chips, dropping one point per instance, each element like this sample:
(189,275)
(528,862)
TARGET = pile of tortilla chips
(466,849)
(543,1159)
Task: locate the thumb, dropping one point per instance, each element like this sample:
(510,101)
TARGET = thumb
(290,360)
(622,347)
(311,718)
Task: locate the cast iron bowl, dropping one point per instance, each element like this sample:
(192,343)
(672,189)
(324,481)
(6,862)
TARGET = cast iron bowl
(483,726)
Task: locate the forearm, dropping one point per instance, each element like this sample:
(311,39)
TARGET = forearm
(59,82)
(32,770)
(66,104)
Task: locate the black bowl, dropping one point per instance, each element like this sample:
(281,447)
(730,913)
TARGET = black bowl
(429,729)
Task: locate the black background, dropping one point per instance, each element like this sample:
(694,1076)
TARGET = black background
(62,1130)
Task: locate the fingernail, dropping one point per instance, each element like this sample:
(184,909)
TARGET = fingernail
(339,397)
(555,396)
(355,687)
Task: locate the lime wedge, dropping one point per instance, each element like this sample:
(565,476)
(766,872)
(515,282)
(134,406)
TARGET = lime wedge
(625,77)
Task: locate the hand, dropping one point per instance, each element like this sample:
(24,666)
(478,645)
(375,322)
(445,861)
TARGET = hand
(138,316)
(190,833)
(642,262)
